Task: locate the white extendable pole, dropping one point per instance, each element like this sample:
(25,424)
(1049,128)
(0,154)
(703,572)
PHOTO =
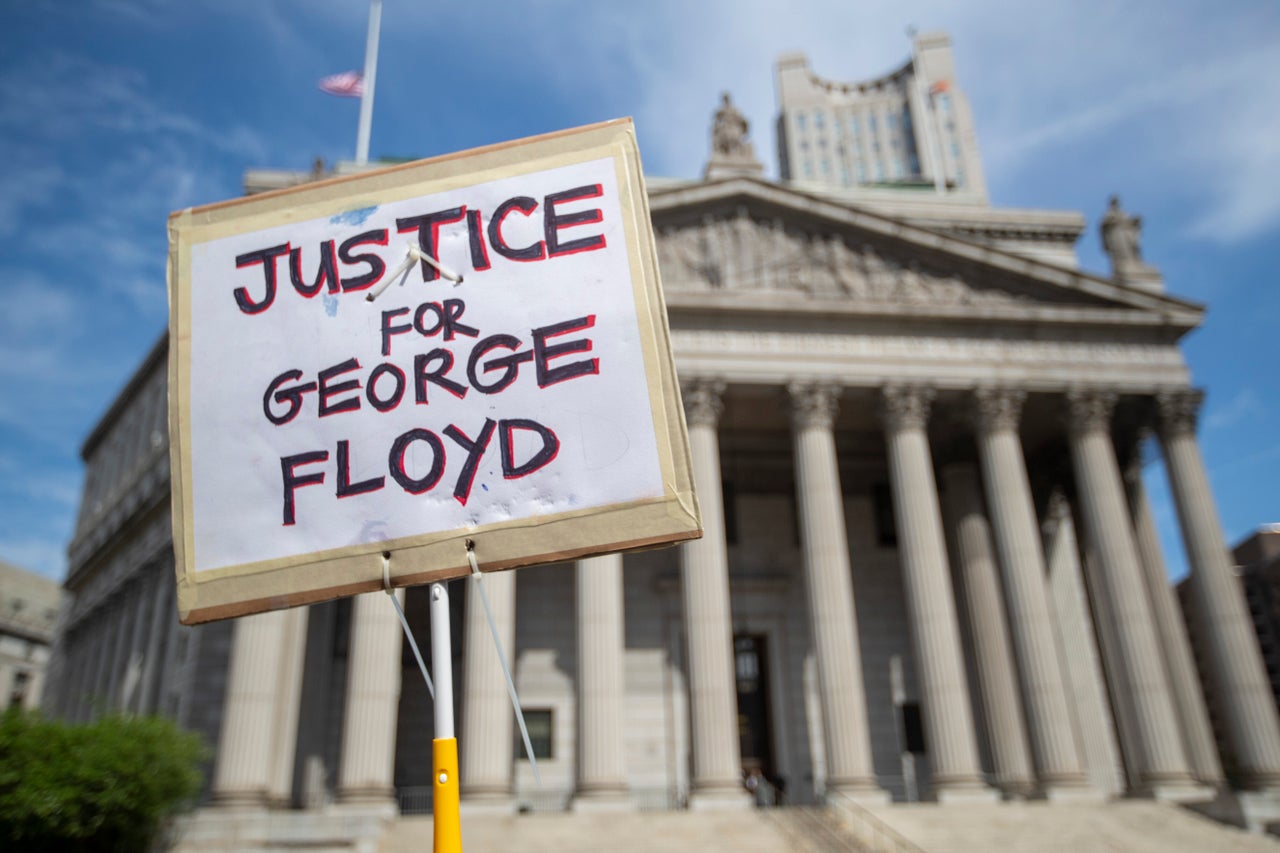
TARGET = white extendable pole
(442,660)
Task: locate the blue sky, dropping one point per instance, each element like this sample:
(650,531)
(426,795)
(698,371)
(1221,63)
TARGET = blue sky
(114,112)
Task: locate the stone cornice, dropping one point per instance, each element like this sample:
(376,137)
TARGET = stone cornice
(905,407)
(1031,313)
(813,404)
(703,401)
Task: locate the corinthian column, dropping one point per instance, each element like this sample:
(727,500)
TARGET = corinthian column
(704,573)
(1162,767)
(830,588)
(367,771)
(1017,538)
(486,770)
(992,651)
(602,781)
(948,718)
(1183,679)
(1235,664)
(243,774)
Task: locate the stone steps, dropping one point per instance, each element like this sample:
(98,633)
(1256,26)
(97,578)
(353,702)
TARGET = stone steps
(1037,827)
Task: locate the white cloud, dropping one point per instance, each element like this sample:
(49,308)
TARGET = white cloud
(1242,407)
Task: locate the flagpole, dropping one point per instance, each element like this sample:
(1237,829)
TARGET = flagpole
(370,74)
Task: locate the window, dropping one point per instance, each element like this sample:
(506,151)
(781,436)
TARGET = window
(871,123)
(853,125)
(879,171)
(18,693)
(539,722)
(818,120)
(906,119)
(808,168)
(800,122)
(891,121)
(862,173)
(897,168)
(914,162)
(826,166)
(955,150)
(844,175)
(944,102)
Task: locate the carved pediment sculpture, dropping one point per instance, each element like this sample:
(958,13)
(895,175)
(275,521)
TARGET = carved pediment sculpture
(740,253)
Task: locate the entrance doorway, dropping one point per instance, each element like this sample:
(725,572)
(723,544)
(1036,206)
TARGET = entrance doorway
(755,730)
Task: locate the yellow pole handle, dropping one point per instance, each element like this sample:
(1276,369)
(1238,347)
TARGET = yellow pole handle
(448,823)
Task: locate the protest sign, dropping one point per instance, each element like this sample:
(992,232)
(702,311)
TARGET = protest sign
(323,413)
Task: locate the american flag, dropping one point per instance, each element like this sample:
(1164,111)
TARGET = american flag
(348,84)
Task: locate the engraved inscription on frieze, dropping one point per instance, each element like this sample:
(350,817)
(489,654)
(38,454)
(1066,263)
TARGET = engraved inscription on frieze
(734,250)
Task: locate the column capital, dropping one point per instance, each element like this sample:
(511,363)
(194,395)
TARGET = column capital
(703,401)
(998,407)
(906,406)
(813,404)
(1089,409)
(1179,410)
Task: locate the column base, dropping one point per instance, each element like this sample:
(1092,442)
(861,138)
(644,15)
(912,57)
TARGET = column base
(720,798)
(246,801)
(1073,792)
(383,804)
(594,802)
(1259,810)
(965,794)
(488,804)
(1178,792)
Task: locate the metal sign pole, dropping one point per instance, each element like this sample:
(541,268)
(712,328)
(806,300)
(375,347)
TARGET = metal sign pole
(444,748)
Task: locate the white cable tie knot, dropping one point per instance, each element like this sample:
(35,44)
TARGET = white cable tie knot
(412,256)
(404,623)
(502,659)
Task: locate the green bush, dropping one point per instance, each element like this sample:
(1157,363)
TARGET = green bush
(104,786)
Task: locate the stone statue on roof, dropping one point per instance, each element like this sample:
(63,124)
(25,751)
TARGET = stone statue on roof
(731,152)
(729,130)
(1121,235)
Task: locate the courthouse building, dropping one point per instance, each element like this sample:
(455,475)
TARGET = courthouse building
(929,568)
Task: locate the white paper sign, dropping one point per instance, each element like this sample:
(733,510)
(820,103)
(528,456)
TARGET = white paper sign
(321,419)
(332,405)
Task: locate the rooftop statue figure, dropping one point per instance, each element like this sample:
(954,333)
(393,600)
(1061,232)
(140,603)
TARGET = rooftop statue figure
(729,131)
(1120,233)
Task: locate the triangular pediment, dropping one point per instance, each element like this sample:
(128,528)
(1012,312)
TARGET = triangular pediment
(747,238)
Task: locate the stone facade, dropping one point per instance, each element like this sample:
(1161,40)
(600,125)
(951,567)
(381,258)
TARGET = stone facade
(29,609)
(924,575)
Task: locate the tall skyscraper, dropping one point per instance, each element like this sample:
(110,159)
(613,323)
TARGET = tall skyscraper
(910,129)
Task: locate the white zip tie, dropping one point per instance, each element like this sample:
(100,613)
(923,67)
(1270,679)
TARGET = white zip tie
(444,271)
(502,659)
(401,272)
(413,644)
